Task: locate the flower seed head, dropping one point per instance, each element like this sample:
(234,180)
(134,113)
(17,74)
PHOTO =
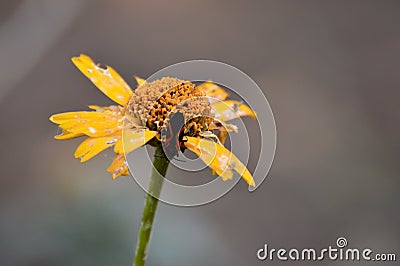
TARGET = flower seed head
(153,103)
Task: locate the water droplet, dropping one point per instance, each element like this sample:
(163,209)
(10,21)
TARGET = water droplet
(92,130)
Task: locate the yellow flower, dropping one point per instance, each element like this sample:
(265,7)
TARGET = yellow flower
(143,116)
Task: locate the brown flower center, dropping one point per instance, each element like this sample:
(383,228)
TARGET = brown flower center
(153,103)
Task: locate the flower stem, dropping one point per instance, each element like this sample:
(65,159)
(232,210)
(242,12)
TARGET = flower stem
(160,166)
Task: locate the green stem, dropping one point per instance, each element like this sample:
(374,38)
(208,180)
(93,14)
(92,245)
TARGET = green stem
(160,166)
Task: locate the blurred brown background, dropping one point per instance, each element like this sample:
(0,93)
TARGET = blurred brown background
(330,70)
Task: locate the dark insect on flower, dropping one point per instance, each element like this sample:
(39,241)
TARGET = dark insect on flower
(174,135)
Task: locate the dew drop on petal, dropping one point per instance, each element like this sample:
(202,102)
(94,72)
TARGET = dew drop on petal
(92,130)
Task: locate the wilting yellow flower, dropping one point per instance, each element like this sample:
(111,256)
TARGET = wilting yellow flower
(143,116)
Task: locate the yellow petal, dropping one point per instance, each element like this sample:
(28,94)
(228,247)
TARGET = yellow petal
(213,90)
(118,167)
(68,135)
(219,159)
(133,139)
(230,109)
(139,81)
(113,108)
(79,115)
(107,80)
(92,124)
(90,147)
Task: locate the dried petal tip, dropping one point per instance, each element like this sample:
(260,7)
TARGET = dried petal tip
(118,167)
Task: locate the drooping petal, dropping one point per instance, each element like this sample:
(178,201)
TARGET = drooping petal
(107,80)
(209,155)
(65,134)
(90,147)
(219,159)
(231,109)
(213,91)
(118,167)
(139,81)
(92,124)
(133,139)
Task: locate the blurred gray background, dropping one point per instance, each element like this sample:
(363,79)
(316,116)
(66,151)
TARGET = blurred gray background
(330,70)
